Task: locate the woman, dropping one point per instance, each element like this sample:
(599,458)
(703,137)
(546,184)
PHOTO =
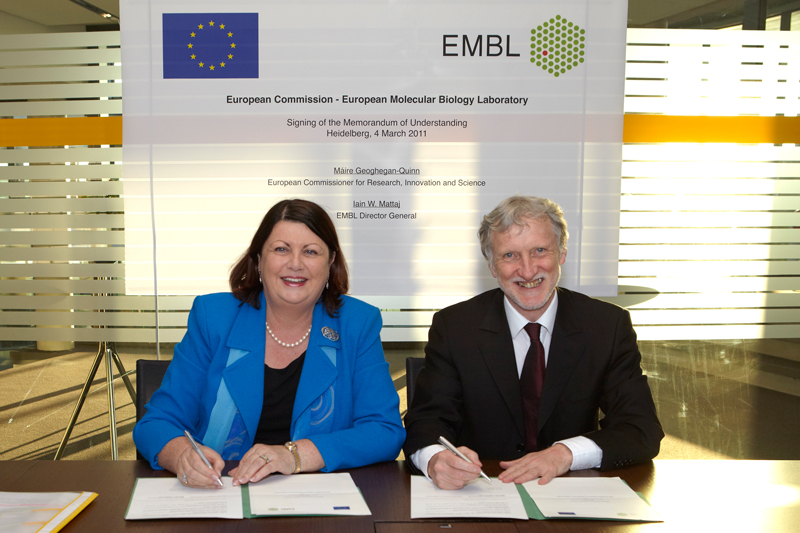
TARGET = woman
(285,374)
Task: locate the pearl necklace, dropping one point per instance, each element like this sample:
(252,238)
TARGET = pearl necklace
(286,344)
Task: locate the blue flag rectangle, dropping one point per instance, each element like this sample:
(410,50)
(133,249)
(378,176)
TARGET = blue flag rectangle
(210,45)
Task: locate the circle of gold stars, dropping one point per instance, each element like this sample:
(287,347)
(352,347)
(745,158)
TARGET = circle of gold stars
(201,64)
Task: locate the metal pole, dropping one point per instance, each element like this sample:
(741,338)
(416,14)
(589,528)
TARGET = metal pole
(112,414)
(79,404)
(107,349)
(122,372)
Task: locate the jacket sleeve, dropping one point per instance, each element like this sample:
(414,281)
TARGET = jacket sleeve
(630,432)
(177,405)
(375,432)
(437,408)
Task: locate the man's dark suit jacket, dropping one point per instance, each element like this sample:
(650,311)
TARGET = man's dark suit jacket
(469,390)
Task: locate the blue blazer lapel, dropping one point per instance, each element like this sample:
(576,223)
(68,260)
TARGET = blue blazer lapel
(319,374)
(245,377)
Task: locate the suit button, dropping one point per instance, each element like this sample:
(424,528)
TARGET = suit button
(520,447)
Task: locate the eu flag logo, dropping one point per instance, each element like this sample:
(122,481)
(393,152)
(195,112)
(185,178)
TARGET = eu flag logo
(210,45)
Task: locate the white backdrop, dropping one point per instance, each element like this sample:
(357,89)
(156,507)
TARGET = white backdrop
(438,109)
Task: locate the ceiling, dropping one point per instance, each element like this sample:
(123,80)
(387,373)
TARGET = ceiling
(641,13)
(60,12)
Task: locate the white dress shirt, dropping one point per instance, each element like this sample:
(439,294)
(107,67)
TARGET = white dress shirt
(585,452)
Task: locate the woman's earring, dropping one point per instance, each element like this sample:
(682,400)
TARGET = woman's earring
(326,281)
(259,277)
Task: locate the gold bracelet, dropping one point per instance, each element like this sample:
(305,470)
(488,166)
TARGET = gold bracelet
(292,447)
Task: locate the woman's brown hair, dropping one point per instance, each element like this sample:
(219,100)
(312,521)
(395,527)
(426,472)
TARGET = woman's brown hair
(244,281)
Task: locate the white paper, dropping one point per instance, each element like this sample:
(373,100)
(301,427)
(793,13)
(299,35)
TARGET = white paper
(479,499)
(42,512)
(605,498)
(308,494)
(167,498)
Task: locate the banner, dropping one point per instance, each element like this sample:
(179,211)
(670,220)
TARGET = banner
(407,120)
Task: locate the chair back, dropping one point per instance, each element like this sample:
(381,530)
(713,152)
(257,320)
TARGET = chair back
(149,374)
(413,366)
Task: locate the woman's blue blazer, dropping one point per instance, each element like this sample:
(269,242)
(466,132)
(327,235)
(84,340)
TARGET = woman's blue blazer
(346,403)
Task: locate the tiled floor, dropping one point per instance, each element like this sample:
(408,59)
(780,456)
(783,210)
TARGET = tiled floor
(716,399)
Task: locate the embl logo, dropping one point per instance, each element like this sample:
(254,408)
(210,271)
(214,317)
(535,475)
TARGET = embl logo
(557,46)
(494,45)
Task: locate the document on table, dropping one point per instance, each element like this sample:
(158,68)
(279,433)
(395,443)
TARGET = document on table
(479,499)
(607,498)
(41,512)
(307,494)
(276,495)
(166,497)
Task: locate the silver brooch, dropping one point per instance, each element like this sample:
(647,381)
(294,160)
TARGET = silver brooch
(330,334)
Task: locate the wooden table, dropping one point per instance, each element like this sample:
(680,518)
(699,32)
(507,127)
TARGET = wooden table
(704,496)
(11,471)
(690,496)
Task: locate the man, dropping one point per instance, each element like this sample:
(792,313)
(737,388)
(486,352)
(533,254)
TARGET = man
(532,400)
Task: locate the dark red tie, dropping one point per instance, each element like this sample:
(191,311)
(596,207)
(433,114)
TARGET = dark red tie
(530,384)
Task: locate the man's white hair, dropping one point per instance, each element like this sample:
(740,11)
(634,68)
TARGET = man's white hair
(513,211)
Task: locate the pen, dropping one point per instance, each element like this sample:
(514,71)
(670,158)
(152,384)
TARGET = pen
(446,443)
(203,457)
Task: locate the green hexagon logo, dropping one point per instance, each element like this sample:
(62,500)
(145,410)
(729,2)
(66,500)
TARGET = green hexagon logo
(557,45)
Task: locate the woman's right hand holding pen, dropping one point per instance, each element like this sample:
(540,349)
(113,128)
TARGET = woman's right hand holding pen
(178,456)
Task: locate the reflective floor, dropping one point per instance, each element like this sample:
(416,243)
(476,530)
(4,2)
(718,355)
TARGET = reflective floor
(740,399)
(715,399)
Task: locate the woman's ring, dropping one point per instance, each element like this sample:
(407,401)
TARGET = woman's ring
(267,459)
(185,481)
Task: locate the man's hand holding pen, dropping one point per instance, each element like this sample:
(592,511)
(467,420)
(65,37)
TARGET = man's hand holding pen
(454,467)
(448,471)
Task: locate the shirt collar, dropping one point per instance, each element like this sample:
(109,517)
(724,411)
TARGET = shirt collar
(516,321)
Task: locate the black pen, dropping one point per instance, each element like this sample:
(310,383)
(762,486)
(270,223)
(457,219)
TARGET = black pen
(203,457)
(446,443)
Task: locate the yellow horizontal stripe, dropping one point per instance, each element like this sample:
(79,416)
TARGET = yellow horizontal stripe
(686,129)
(81,131)
(75,131)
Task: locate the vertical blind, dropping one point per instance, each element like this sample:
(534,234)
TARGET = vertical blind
(709,243)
